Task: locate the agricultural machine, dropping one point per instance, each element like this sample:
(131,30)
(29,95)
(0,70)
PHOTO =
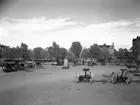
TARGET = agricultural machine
(84,77)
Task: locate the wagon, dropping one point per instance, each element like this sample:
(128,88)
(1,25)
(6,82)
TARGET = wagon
(12,65)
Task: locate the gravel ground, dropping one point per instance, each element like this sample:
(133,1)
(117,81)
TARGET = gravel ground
(56,86)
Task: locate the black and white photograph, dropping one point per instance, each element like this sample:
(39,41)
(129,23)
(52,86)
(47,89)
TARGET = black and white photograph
(69,52)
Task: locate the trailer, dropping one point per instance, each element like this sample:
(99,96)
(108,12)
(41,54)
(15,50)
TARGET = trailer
(13,65)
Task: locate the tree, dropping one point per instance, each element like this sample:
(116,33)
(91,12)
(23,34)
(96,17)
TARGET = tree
(38,53)
(70,56)
(50,52)
(104,52)
(54,51)
(122,53)
(17,52)
(31,54)
(94,51)
(6,52)
(24,51)
(76,48)
(85,53)
(62,52)
(46,53)
(11,53)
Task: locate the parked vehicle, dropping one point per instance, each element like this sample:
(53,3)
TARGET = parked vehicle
(12,65)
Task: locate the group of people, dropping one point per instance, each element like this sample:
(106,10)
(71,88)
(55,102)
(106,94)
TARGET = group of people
(66,62)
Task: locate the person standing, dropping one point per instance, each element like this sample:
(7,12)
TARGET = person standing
(83,61)
(65,63)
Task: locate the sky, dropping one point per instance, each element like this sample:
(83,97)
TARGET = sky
(40,22)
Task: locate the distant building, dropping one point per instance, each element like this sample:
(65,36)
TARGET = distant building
(136,46)
(2,46)
(109,49)
(1,49)
(112,49)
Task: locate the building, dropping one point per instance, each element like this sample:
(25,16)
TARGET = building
(111,49)
(1,49)
(107,50)
(136,46)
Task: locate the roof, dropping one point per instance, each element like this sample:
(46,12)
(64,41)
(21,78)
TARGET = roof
(3,45)
(105,45)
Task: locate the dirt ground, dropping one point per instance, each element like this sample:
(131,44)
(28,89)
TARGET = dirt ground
(56,86)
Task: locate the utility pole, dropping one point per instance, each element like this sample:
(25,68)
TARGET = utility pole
(21,53)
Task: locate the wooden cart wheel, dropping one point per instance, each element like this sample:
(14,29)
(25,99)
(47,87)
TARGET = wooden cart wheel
(113,78)
(77,77)
(128,78)
(4,68)
(91,81)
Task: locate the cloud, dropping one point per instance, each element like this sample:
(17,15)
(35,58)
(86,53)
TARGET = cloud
(122,32)
(17,30)
(42,32)
(36,24)
(110,25)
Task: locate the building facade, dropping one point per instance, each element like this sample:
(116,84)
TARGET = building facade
(1,49)
(107,50)
(136,46)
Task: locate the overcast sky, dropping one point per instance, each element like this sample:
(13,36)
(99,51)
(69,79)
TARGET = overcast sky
(40,22)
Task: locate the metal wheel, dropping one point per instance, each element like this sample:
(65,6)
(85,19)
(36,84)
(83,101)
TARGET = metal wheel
(113,78)
(77,80)
(4,68)
(77,77)
(128,78)
(91,79)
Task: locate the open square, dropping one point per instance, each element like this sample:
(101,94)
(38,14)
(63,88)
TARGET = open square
(56,86)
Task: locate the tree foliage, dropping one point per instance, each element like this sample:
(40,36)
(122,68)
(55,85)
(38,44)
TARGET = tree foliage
(16,52)
(56,52)
(122,53)
(53,50)
(38,53)
(104,52)
(85,53)
(31,54)
(125,54)
(70,56)
(24,51)
(76,48)
(62,52)
(94,51)
(7,53)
